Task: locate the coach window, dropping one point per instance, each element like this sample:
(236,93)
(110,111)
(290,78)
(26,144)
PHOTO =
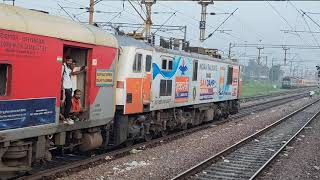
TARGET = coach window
(148,63)
(3,79)
(137,63)
(230,73)
(195,71)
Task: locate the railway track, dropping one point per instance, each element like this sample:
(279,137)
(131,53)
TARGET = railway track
(247,158)
(256,107)
(73,163)
(260,97)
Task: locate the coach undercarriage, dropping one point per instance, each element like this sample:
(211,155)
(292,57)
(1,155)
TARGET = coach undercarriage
(159,123)
(19,156)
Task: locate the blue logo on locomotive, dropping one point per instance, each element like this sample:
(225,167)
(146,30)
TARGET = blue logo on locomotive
(166,73)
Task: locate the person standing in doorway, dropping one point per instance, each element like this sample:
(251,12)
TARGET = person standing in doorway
(67,88)
(67,72)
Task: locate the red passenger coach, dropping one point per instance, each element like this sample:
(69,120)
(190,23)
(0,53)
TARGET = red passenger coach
(33,46)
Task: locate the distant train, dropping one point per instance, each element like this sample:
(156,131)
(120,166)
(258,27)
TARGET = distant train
(130,90)
(295,82)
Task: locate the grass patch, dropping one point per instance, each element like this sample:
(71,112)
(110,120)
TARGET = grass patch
(255,88)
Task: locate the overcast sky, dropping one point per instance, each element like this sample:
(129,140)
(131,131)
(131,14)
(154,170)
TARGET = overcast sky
(253,22)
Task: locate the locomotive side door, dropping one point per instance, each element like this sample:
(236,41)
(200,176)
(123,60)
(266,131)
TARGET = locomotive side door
(138,86)
(147,77)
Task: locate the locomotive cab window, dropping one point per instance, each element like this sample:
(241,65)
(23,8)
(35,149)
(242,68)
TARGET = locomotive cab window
(230,73)
(148,63)
(137,63)
(3,79)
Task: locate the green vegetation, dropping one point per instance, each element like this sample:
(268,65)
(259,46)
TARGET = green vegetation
(255,88)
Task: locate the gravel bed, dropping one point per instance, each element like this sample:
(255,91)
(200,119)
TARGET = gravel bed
(301,159)
(171,158)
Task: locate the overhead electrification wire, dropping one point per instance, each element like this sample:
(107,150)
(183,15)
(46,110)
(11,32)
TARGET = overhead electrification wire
(248,27)
(287,31)
(141,7)
(192,25)
(312,12)
(123,10)
(233,36)
(68,13)
(72,2)
(220,25)
(165,22)
(315,39)
(302,14)
(87,10)
(115,16)
(279,14)
(183,14)
(136,10)
(96,2)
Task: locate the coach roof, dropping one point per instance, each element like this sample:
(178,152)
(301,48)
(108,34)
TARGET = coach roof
(131,42)
(39,23)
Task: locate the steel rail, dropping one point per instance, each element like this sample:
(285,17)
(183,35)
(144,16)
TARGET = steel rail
(284,145)
(285,99)
(215,158)
(275,94)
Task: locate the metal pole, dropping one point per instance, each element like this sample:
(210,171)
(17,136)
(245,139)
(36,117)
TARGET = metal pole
(148,21)
(285,55)
(91,10)
(202,25)
(229,55)
(290,68)
(272,62)
(267,61)
(203,21)
(185,34)
(245,54)
(259,54)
